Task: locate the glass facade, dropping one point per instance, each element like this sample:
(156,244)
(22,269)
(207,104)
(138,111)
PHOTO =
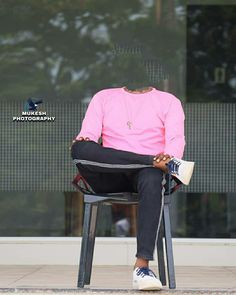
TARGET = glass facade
(63,52)
(211,78)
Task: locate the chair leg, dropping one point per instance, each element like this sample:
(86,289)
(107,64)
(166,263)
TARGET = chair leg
(160,255)
(91,242)
(84,246)
(169,248)
(88,240)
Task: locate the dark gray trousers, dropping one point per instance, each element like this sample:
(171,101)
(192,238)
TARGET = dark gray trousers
(109,170)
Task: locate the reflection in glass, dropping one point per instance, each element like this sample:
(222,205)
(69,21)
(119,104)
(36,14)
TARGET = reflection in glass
(211,42)
(67,50)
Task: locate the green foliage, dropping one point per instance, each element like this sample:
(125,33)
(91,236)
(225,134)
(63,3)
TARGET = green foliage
(59,49)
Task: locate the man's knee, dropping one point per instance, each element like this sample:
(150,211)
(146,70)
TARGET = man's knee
(78,149)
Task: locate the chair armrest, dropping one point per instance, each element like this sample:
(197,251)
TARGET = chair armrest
(172,184)
(81,184)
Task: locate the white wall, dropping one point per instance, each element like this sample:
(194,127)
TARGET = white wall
(113,251)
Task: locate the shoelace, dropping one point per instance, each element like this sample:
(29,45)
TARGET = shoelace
(173,166)
(144,271)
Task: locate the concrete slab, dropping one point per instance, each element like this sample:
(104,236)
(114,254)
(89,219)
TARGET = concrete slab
(110,279)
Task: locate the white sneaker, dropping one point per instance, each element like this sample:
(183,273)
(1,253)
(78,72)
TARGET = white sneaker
(181,169)
(145,279)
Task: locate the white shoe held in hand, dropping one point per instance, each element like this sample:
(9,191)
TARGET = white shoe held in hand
(181,169)
(145,279)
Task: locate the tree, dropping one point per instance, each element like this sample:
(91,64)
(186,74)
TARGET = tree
(62,49)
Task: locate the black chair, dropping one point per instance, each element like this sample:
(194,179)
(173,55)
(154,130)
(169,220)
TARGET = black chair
(92,203)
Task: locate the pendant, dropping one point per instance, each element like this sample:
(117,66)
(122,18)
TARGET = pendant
(129,124)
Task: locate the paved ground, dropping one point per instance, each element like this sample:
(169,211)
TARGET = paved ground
(111,279)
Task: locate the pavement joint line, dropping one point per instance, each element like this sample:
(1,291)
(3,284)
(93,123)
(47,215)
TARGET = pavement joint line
(25,275)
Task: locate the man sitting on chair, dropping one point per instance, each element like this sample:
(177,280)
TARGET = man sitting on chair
(142,133)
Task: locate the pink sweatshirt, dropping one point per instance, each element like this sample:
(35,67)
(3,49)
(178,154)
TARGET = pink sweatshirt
(145,123)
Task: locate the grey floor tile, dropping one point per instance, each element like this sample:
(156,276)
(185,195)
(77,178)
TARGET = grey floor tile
(113,277)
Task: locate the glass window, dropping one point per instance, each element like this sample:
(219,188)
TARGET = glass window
(211,57)
(61,53)
(32,214)
(67,51)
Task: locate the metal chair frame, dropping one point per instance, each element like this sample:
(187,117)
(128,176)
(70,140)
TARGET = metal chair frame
(93,202)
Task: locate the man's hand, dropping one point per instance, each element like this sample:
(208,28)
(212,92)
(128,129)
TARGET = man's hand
(161,157)
(160,161)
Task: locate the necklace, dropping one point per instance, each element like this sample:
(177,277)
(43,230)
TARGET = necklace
(129,123)
(129,117)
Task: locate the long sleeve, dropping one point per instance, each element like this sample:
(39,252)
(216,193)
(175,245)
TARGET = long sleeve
(92,123)
(174,129)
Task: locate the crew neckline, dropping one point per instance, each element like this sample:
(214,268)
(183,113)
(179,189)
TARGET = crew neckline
(132,93)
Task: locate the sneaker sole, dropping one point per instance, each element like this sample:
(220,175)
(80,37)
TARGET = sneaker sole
(146,286)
